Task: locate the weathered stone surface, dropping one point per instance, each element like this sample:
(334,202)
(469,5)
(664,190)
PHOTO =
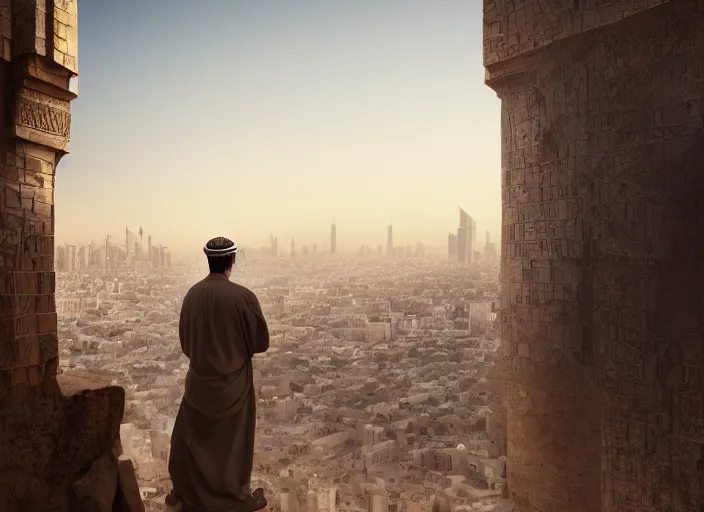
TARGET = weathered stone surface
(95,491)
(54,440)
(517,27)
(603,146)
(129,497)
(30,19)
(58,450)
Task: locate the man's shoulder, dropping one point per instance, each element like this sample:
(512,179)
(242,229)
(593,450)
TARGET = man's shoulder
(198,286)
(221,287)
(242,291)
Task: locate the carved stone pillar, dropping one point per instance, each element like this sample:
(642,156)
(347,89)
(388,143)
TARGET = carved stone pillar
(38,77)
(57,450)
(603,243)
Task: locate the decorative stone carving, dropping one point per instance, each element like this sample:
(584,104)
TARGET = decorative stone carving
(42,117)
(44,120)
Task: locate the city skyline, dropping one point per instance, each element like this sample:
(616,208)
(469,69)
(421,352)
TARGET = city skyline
(391,241)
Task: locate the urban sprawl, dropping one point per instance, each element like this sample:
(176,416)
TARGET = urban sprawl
(374,393)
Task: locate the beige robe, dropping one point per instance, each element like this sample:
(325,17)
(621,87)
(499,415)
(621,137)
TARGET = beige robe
(212,445)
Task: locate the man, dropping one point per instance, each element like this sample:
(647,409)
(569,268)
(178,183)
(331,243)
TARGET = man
(212,445)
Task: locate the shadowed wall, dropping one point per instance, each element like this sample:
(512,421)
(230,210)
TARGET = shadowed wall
(603,233)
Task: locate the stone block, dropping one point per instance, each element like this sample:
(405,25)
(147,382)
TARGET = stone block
(95,491)
(46,323)
(131,499)
(33,163)
(35,375)
(10,174)
(37,179)
(49,345)
(13,198)
(25,325)
(29,351)
(20,377)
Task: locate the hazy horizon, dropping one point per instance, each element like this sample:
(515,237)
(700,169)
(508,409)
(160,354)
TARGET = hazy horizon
(252,118)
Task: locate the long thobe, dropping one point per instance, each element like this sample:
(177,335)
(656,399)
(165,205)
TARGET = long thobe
(212,444)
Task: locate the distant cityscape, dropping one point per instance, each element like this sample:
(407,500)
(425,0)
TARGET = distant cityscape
(462,245)
(114,253)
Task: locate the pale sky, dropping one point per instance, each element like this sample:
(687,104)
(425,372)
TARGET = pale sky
(245,118)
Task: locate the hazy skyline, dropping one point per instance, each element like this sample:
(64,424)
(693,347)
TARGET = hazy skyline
(250,118)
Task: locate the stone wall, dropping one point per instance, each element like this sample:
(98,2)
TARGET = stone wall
(26,277)
(60,451)
(517,27)
(603,233)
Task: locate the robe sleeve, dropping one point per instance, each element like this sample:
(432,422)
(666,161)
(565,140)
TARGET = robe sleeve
(182,324)
(257,330)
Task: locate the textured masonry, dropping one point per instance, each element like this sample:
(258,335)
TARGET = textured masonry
(38,69)
(603,251)
(59,449)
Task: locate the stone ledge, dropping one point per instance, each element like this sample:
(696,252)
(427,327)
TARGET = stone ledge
(60,443)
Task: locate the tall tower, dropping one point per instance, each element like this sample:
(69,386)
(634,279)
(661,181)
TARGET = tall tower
(149,248)
(471,240)
(293,247)
(274,246)
(466,237)
(452,246)
(141,245)
(333,238)
(389,240)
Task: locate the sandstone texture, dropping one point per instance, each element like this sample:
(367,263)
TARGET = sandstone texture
(58,449)
(602,337)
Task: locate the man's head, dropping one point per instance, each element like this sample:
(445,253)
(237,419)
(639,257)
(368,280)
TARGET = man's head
(221,253)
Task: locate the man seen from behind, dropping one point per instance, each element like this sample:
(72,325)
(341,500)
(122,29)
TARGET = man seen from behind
(212,445)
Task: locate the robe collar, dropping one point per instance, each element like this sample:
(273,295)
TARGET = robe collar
(217,275)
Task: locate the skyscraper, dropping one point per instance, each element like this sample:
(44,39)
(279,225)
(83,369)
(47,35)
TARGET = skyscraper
(293,247)
(471,240)
(389,240)
(72,259)
(127,243)
(462,244)
(274,246)
(333,238)
(452,246)
(466,238)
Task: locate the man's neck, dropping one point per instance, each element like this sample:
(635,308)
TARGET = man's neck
(220,275)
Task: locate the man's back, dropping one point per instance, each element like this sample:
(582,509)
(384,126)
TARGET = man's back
(221,327)
(212,443)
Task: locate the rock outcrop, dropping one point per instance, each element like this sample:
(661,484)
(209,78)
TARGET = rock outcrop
(63,451)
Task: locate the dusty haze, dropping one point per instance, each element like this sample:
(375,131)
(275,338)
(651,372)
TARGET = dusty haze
(251,118)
